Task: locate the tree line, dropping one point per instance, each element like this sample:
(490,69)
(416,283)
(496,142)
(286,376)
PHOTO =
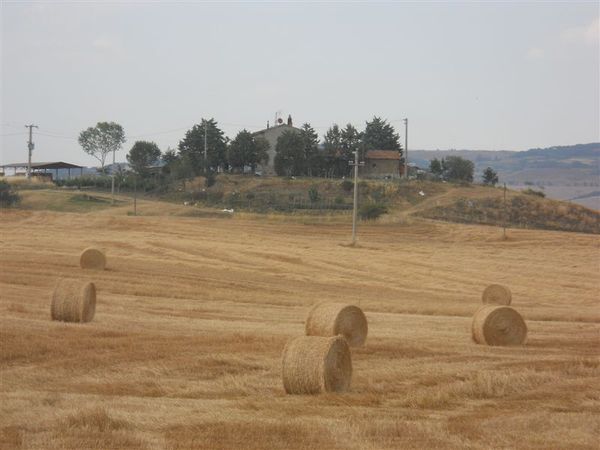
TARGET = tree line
(205,149)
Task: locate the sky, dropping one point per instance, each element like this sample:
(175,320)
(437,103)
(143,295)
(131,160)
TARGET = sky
(467,75)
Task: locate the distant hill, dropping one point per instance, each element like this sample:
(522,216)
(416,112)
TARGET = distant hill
(567,173)
(546,166)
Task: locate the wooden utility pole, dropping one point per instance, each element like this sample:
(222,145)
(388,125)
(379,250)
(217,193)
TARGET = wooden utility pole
(406,149)
(135,195)
(30,146)
(505,214)
(355,206)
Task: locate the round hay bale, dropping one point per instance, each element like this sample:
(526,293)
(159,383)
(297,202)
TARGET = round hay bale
(315,364)
(331,319)
(73,301)
(496,294)
(92,258)
(498,325)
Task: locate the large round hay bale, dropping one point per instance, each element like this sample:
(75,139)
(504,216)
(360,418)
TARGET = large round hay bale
(496,294)
(498,325)
(92,258)
(331,319)
(73,301)
(315,364)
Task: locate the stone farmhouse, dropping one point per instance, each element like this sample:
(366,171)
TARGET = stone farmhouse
(271,134)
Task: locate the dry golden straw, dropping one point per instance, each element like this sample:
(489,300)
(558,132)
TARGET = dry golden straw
(496,294)
(73,301)
(331,319)
(92,258)
(498,325)
(315,364)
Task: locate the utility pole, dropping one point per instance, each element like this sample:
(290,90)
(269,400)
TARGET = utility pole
(355,207)
(205,149)
(30,147)
(505,215)
(406,149)
(112,180)
(135,195)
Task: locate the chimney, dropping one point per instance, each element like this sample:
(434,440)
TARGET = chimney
(290,120)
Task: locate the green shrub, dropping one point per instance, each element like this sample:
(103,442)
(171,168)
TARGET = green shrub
(534,192)
(347,185)
(7,196)
(371,211)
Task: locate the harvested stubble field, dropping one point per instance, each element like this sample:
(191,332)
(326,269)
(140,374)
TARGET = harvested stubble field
(192,315)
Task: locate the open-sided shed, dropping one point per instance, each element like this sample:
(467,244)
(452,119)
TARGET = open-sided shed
(43,167)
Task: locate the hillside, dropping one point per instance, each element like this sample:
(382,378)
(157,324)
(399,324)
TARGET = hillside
(318,199)
(568,173)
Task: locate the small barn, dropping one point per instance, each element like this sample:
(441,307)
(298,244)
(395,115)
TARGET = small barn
(382,164)
(42,169)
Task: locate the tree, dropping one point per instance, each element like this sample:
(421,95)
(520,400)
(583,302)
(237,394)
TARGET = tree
(380,135)
(192,146)
(351,141)
(313,159)
(458,169)
(435,167)
(181,169)
(332,145)
(490,177)
(247,150)
(102,139)
(289,154)
(142,155)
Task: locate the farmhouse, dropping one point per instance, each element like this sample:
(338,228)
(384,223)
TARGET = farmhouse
(271,134)
(382,164)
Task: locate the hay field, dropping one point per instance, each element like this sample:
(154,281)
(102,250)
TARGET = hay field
(192,315)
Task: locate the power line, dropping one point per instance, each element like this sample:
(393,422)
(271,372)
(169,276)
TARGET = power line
(14,134)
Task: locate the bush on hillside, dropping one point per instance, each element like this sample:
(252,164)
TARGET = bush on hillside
(371,211)
(534,192)
(347,185)
(8,197)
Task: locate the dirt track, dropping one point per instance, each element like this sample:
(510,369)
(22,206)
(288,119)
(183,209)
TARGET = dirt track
(192,316)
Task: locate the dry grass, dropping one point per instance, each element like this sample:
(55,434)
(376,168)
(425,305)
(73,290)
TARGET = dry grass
(193,314)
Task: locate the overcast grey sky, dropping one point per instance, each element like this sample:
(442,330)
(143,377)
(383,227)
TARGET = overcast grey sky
(493,75)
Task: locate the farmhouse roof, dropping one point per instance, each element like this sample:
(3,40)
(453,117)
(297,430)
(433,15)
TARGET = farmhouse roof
(383,154)
(44,165)
(283,125)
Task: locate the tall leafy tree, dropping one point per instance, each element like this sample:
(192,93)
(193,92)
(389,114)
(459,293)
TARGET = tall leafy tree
(289,154)
(101,140)
(458,169)
(435,166)
(313,159)
(332,145)
(380,135)
(247,150)
(192,147)
(142,155)
(351,141)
